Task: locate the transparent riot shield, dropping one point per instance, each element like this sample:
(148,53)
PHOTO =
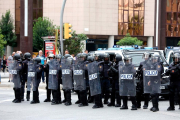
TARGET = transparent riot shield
(66,68)
(152,78)
(16,75)
(31,75)
(79,75)
(94,78)
(10,65)
(53,74)
(126,80)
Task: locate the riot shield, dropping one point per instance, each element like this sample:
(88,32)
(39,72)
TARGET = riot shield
(126,80)
(79,75)
(53,74)
(152,78)
(66,74)
(31,75)
(94,78)
(16,75)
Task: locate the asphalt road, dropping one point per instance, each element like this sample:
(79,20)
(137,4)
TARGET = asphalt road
(46,111)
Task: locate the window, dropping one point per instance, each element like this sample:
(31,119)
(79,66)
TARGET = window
(172,18)
(37,9)
(131,17)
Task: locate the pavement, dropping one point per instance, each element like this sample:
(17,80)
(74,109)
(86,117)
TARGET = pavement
(46,111)
(5,78)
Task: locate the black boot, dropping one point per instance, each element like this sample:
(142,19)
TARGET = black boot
(155,102)
(139,97)
(14,95)
(55,98)
(134,104)
(83,98)
(124,106)
(18,95)
(118,99)
(28,95)
(64,96)
(59,95)
(48,99)
(146,101)
(68,98)
(112,100)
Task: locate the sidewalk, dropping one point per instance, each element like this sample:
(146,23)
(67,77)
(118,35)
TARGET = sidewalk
(5,83)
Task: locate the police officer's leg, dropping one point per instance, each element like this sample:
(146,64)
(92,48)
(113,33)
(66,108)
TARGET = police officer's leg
(64,101)
(48,93)
(79,98)
(59,94)
(139,97)
(124,96)
(18,95)
(113,91)
(55,97)
(146,101)
(68,97)
(155,97)
(98,101)
(107,86)
(14,95)
(28,95)
(90,98)
(118,99)
(83,98)
(22,90)
(171,96)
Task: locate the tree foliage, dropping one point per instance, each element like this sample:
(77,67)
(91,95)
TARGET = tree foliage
(7,29)
(42,27)
(75,45)
(178,43)
(2,44)
(128,40)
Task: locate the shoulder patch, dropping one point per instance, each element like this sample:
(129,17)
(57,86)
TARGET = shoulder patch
(159,66)
(134,68)
(144,68)
(19,65)
(39,68)
(60,66)
(86,65)
(100,66)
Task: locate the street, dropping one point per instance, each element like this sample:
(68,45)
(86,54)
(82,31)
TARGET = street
(46,111)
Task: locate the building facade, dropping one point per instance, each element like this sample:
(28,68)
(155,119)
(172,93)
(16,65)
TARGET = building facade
(155,22)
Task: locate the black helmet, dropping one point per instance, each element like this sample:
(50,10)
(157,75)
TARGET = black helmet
(78,56)
(127,60)
(21,55)
(16,57)
(118,57)
(58,56)
(67,55)
(97,57)
(84,55)
(155,58)
(90,59)
(27,55)
(106,55)
(37,60)
(176,57)
(70,60)
(146,55)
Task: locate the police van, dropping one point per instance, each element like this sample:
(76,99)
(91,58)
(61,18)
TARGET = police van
(169,51)
(136,52)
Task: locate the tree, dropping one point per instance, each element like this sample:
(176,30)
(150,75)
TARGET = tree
(7,29)
(128,40)
(2,44)
(75,44)
(178,43)
(42,27)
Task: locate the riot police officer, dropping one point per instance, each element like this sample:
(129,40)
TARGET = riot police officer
(48,91)
(66,68)
(105,82)
(127,83)
(27,57)
(140,85)
(90,98)
(38,72)
(114,73)
(16,70)
(174,74)
(80,76)
(154,83)
(94,71)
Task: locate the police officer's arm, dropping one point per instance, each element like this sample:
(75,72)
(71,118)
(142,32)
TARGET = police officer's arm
(39,68)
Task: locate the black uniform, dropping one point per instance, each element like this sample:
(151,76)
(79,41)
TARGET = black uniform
(25,73)
(38,73)
(174,74)
(17,79)
(140,88)
(105,82)
(48,91)
(114,73)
